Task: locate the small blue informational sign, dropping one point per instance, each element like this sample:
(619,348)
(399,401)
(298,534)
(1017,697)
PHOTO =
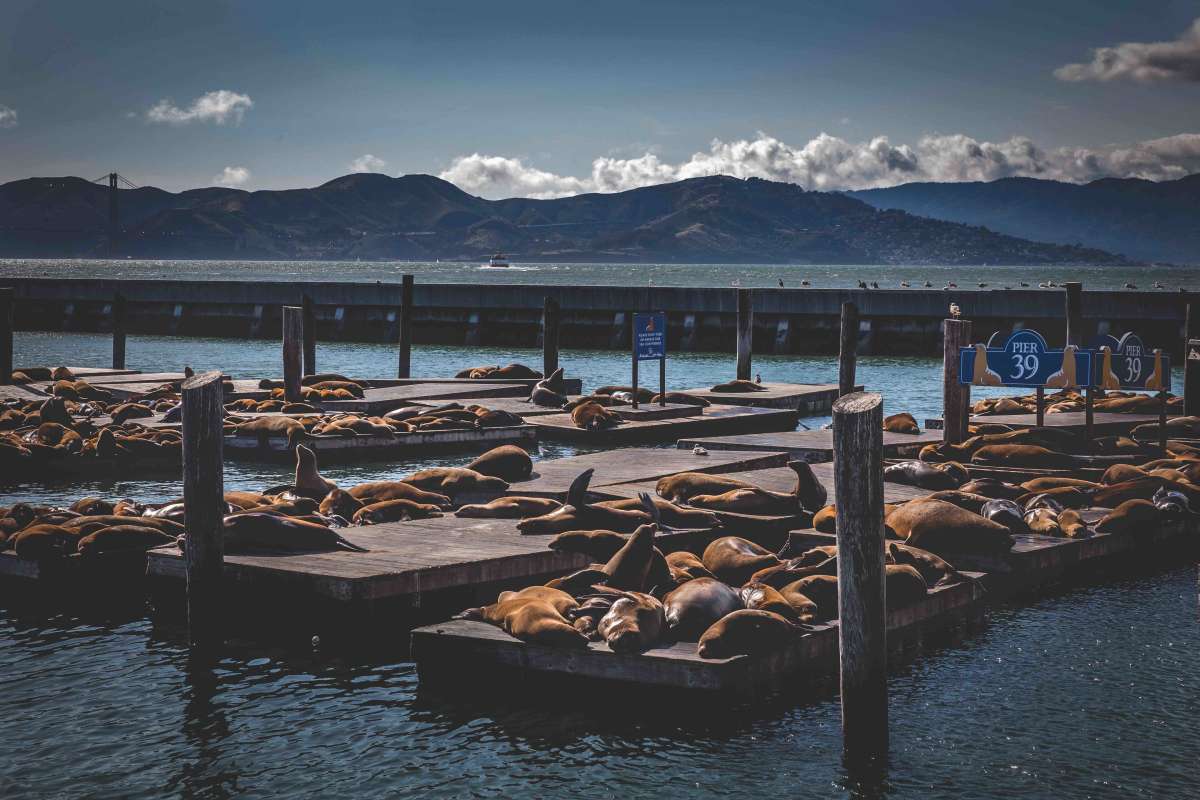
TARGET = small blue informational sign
(1126,363)
(1024,360)
(650,335)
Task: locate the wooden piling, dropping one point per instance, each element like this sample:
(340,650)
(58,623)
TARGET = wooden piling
(118,331)
(1191,361)
(745,333)
(6,335)
(1040,405)
(956,398)
(1074,312)
(862,607)
(204,502)
(404,368)
(550,317)
(847,349)
(293,343)
(310,335)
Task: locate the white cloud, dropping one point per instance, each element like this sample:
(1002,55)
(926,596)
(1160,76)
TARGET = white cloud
(232,176)
(1141,61)
(367,163)
(830,163)
(8,117)
(220,107)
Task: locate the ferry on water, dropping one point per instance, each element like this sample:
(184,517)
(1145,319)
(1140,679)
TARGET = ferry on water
(497,260)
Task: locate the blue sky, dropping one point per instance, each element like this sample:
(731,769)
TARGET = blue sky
(550,98)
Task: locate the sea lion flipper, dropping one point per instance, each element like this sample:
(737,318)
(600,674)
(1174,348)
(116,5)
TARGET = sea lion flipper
(651,509)
(577,493)
(349,545)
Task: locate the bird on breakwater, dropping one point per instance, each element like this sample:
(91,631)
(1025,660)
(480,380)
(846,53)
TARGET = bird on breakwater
(955,311)
(1129,285)
(904,284)
(862,284)
(982,285)
(805,282)
(781,283)
(1024,285)
(1158,285)
(928,285)
(874,284)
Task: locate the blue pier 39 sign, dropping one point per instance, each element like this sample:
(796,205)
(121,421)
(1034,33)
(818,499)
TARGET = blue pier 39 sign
(1126,363)
(650,335)
(1026,361)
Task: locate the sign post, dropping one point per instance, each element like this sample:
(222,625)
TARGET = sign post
(650,342)
(1127,363)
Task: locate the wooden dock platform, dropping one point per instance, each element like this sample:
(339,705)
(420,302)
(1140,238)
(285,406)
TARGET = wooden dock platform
(368,446)
(1103,423)
(808,399)
(714,421)
(387,398)
(813,446)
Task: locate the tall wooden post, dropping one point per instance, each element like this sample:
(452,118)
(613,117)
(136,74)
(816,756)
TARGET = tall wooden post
(1191,361)
(549,335)
(204,502)
(404,369)
(6,335)
(847,349)
(1074,312)
(745,333)
(118,331)
(862,606)
(956,398)
(310,335)
(293,344)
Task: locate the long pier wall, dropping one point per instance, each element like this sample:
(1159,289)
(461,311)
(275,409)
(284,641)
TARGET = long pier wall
(894,321)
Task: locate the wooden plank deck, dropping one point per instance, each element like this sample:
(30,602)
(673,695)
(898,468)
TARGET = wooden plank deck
(102,568)
(21,393)
(812,446)
(807,398)
(715,420)
(367,446)
(377,401)
(459,648)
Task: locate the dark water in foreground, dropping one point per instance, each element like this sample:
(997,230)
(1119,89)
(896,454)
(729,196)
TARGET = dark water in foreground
(1093,691)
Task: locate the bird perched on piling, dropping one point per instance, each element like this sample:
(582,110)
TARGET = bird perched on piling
(955,311)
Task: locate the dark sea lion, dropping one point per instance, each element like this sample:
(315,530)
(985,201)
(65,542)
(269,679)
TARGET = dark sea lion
(44,541)
(332,385)
(746,632)
(599,545)
(683,486)
(245,500)
(548,391)
(1050,483)
(578,514)
(992,488)
(942,528)
(901,423)
(516,371)
(1171,504)
(340,503)
(633,623)
(738,387)
(971,502)
(682,399)
(686,566)
(1131,516)
(408,412)
(128,411)
(307,476)
(693,606)
(122,537)
(734,559)
(935,570)
(595,417)
(159,523)
(669,513)
(1063,497)
(629,567)
(1007,513)
(509,507)
(767,598)
(91,506)
(324,377)
(643,394)
(579,582)
(251,532)
(821,590)
(394,511)
(456,481)
(920,474)
(497,419)
(1142,488)
(904,586)
(1022,455)
(508,462)
(779,575)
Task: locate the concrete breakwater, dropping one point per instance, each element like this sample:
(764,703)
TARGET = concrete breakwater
(893,321)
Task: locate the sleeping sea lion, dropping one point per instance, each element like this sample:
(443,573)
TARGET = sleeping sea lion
(681,398)
(122,537)
(39,542)
(494,418)
(580,581)
(165,525)
(595,417)
(738,387)
(634,622)
(820,590)
(508,462)
(599,545)
(935,570)
(971,502)
(1007,513)
(577,514)
(606,400)
(746,632)
(767,598)
(686,566)
(341,503)
(509,507)
(455,481)
(993,488)
(534,614)
(1072,525)
(1131,516)
(1022,455)
(670,514)
(307,477)
(904,585)
(734,559)
(643,394)
(901,423)
(258,532)
(91,506)
(1118,473)
(270,427)
(394,511)
(1042,521)
(693,606)
(683,486)
(941,527)
(921,474)
(377,491)
(809,494)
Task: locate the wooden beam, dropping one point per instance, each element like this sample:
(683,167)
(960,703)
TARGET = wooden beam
(6,335)
(550,317)
(404,368)
(956,398)
(847,349)
(862,607)
(293,344)
(118,331)
(1074,312)
(204,503)
(310,335)
(745,333)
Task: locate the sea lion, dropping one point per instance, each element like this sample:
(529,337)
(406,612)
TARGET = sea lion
(579,582)
(935,570)
(681,398)
(165,525)
(825,520)
(1048,484)
(509,507)
(920,474)
(1171,504)
(1118,473)
(606,400)
(599,545)
(377,491)
(683,486)
(122,537)
(251,532)
(1131,516)
(738,387)
(670,514)
(535,615)
(633,623)
(508,462)
(274,427)
(693,606)
(307,476)
(686,566)
(1063,497)
(456,481)
(1072,524)
(971,502)
(643,394)
(992,488)
(340,503)
(629,567)
(595,417)
(1022,455)
(516,371)
(821,590)
(577,513)
(494,418)
(901,423)
(904,585)
(734,559)
(394,511)
(41,542)
(746,632)
(1005,512)
(767,598)
(91,506)
(1042,521)
(548,392)
(941,527)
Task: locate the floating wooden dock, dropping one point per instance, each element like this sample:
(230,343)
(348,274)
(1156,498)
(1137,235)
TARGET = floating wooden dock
(806,398)
(370,446)
(813,446)
(108,568)
(715,420)
(387,398)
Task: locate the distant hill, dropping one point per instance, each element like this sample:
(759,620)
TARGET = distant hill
(713,219)
(1143,219)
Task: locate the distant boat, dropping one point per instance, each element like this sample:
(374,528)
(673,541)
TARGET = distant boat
(497,260)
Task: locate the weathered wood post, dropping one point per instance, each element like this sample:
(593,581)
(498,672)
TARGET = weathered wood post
(118,331)
(404,369)
(204,502)
(6,335)
(549,335)
(847,349)
(310,335)
(1074,312)
(956,398)
(1191,360)
(862,607)
(293,343)
(745,333)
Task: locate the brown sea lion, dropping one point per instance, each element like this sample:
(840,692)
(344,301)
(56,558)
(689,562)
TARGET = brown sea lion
(734,559)
(128,411)
(394,511)
(608,401)
(1072,525)
(599,545)
(122,537)
(1007,512)
(1047,484)
(578,514)
(579,582)
(378,491)
(509,507)
(993,488)
(767,598)
(904,585)
(334,385)
(921,474)
(516,371)
(693,606)
(341,503)
(669,513)
(92,505)
(901,423)
(681,398)
(686,566)
(643,394)
(629,567)
(825,520)
(508,462)
(1118,473)
(534,615)
(595,417)
(251,532)
(271,427)
(308,479)
(935,570)
(493,418)
(941,528)
(738,387)
(821,590)
(1022,455)
(159,523)
(1131,516)
(971,502)
(683,486)
(44,541)
(747,632)
(634,623)
(456,481)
